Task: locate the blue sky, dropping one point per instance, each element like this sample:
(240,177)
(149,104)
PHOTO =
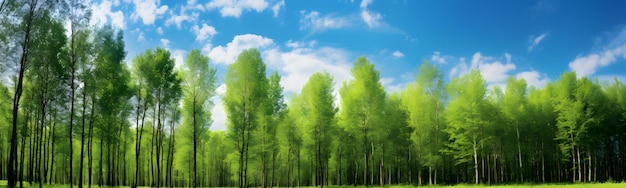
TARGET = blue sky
(535,39)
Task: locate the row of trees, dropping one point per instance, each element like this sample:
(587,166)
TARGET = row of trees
(81,116)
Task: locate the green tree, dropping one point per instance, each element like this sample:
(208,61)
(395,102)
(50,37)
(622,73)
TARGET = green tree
(156,69)
(466,116)
(274,111)
(45,77)
(515,107)
(361,101)
(112,93)
(245,96)
(319,120)
(198,87)
(424,100)
(20,26)
(290,138)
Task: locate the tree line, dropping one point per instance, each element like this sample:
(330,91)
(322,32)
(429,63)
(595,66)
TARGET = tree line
(75,113)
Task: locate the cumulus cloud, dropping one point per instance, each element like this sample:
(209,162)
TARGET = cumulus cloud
(587,65)
(372,19)
(165,42)
(160,30)
(140,38)
(295,64)
(441,59)
(318,23)
(181,17)
(397,54)
(179,57)
(534,78)
(233,8)
(102,13)
(218,114)
(535,41)
(148,10)
(276,7)
(492,69)
(204,32)
(227,54)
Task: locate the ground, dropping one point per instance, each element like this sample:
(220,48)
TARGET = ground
(3,184)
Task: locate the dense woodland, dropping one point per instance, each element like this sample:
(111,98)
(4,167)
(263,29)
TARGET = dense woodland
(73,112)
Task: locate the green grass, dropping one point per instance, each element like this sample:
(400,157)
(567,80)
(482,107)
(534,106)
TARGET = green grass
(3,183)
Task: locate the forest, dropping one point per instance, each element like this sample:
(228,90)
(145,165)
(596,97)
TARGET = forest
(73,112)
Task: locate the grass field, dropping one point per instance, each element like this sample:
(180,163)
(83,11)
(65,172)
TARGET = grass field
(3,183)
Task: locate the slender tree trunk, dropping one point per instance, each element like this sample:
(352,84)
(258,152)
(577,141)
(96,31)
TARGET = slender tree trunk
(475,161)
(382,165)
(543,164)
(138,139)
(195,144)
(12,180)
(578,168)
(272,184)
(101,181)
(519,154)
(90,142)
(21,169)
(52,147)
(82,143)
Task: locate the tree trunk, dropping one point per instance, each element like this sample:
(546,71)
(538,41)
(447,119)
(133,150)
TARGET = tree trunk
(519,154)
(90,142)
(138,137)
(52,148)
(475,161)
(195,140)
(82,143)
(12,180)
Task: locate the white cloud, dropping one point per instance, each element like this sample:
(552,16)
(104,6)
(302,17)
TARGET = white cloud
(533,78)
(181,17)
(535,41)
(295,65)
(204,32)
(386,80)
(192,4)
(460,68)
(397,54)
(491,68)
(390,87)
(228,54)
(317,23)
(438,58)
(218,113)
(160,31)
(233,8)
(372,19)
(148,10)
(609,79)
(276,7)
(140,37)
(165,42)
(300,44)
(102,13)
(587,65)
(299,64)
(179,57)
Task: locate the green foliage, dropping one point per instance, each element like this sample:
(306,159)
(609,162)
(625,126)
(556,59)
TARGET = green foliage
(467,115)
(246,92)
(198,88)
(424,101)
